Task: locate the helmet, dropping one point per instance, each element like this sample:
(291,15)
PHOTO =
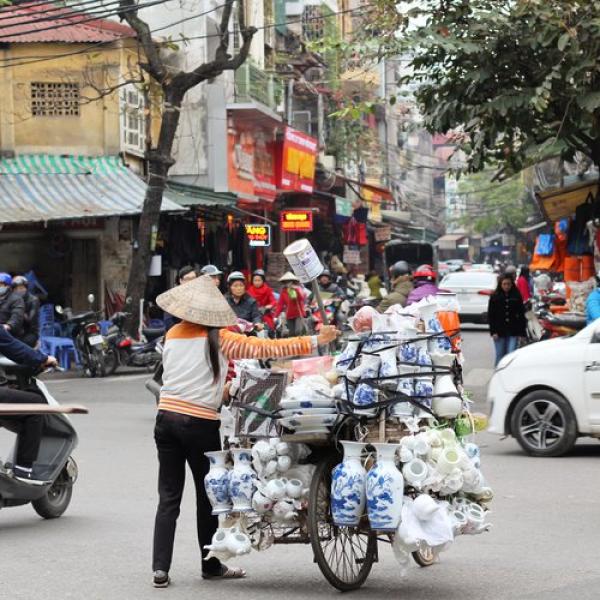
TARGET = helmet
(210,270)
(259,273)
(235,276)
(399,268)
(325,273)
(20,280)
(425,272)
(5,278)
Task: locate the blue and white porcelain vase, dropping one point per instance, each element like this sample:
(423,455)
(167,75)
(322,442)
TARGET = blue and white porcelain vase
(385,490)
(348,496)
(216,482)
(242,480)
(406,386)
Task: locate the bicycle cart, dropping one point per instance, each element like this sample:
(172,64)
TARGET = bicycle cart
(345,554)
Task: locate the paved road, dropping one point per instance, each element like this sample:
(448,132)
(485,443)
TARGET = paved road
(545,542)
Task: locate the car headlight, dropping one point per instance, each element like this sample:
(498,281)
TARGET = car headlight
(505,362)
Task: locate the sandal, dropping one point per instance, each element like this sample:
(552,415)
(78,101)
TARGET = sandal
(226,573)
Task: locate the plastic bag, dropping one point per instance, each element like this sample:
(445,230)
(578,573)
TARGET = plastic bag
(363,319)
(579,294)
(435,531)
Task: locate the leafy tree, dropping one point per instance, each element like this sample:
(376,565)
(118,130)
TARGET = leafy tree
(515,80)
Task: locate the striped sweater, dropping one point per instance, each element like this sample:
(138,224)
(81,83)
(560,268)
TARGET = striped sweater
(188,386)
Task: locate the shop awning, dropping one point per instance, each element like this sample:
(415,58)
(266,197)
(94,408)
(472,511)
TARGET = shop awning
(560,203)
(396,216)
(41,187)
(448,241)
(194,195)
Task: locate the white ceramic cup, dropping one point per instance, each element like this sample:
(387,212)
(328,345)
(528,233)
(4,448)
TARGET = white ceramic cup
(448,437)
(450,458)
(415,472)
(421,447)
(282,448)
(273,442)
(263,450)
(405,455)
(275,489)
(294,488)
(284,463)
(271,468)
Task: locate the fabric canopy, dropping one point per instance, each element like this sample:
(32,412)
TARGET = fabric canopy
(561,203)
(42,187)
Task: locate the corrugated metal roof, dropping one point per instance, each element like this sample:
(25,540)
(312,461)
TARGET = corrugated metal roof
(193,195)
(41,187)
(26,23)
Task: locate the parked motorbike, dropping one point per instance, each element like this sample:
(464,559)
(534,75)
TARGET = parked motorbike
(561,324)
(123,350)
(87,337)
(55,470)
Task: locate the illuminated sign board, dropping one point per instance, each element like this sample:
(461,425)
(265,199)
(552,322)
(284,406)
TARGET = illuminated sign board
(298,161)
(296,220)
(258,234)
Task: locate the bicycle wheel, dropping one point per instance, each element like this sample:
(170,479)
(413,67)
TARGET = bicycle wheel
(345,555)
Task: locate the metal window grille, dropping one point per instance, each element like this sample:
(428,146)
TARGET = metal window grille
(50,99)
(313,24)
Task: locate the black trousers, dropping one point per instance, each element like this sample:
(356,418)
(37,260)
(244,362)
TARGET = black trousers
(28,439)
(180,439)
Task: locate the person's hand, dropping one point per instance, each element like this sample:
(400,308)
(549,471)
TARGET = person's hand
(495,336)
(328,334)
(50,362)
(259,326)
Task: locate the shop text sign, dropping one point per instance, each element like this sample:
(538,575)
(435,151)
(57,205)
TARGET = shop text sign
(296,220)
(298,161)
(258,234)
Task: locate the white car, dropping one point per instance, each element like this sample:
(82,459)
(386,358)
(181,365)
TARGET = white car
(547,394)
(473,290)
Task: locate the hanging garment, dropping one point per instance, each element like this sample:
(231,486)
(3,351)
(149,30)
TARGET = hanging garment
(579,240)
(545,244)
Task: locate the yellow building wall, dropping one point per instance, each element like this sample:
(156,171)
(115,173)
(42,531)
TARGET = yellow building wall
(96,131)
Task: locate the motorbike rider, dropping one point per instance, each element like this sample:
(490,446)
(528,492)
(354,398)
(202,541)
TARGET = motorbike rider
(401,286)
(31,317)
(213,272)
(31,432)
(424,284)
(12,307)
(243,305)
(262,292)
(327,285)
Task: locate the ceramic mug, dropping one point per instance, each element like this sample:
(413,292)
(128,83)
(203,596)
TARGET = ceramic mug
(405,455)
(449,460)
(282,448)
(421,447)
(415,472)
(294,488)
(284,463)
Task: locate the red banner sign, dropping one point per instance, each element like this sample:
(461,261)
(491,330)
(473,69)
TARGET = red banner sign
(298,161)
(296,220)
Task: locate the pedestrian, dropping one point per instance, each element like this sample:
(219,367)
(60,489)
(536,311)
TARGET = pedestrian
(262,292)
(424,284)
(185,274)
(31,316)
(374,283)
(187,423)
(402,286)
(506,316)
(524,283)
(242,304)
(213,272)
(292,304)
(12,307)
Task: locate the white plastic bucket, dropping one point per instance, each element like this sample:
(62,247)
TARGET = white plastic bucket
(303,260)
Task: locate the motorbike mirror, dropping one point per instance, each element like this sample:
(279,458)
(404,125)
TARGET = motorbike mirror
(91,298)
(59,309)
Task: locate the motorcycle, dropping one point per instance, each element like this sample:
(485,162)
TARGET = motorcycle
(88,339)
(125,351)
(561,324)
(55,471)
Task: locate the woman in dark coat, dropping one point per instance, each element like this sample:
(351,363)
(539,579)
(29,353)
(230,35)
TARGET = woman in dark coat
(506,317)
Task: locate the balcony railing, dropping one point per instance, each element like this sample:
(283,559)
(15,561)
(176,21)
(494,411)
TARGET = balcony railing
(253,84)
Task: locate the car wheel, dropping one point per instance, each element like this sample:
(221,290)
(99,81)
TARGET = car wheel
(544,424)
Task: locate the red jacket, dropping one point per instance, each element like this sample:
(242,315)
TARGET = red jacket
(293,307)
(523,287)
(264,297)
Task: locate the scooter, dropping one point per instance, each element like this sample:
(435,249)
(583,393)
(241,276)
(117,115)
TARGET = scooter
(125,351)
(55,470)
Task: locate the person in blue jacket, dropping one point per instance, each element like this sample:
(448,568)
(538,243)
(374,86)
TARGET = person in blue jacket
(28,442)
(592,306)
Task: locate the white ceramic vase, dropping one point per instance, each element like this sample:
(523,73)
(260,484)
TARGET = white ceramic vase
(385,490)
(446,407)
(216,482)
(348,487)
(242,480)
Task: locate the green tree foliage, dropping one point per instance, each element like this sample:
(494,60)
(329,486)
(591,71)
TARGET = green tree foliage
(493,207)
(514,80)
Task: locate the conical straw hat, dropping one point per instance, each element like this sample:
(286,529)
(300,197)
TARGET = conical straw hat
(198,301)
(289,276)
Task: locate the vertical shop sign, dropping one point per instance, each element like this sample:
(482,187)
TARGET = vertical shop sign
(258,234)
(298,161)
